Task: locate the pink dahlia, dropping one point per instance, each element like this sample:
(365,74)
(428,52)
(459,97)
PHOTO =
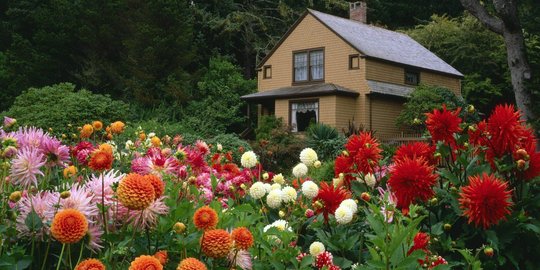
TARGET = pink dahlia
(56,153)
(25,167)
(41,205)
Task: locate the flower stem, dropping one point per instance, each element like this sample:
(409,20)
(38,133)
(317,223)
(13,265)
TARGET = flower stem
(80,254)
(60,257)
(46,254)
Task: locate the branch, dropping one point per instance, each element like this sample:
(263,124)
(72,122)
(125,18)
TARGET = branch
(479,11)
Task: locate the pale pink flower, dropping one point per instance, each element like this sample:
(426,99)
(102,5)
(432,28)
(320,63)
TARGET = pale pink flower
(242,260)
(94,234)
(80,199)
(148,217)
(389,199)
(25,167)
(9,122)
(29,137)
(42,203)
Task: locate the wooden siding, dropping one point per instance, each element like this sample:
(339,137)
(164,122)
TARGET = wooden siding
(384,112)
(346,109)
(310,33)
(386,72)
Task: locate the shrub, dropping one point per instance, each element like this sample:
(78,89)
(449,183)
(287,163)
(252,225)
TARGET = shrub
(231,142)
(424,99)
(58,105)
(325,140)
(323,173)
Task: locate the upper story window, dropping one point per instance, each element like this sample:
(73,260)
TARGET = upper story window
(308,65)
(267,72)
(354,61)
(412,77)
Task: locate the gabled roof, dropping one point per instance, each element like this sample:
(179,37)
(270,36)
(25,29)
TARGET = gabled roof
(312,90)
(378,43)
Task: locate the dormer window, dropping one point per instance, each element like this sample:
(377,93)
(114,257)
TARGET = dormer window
(412,77)
(308,65)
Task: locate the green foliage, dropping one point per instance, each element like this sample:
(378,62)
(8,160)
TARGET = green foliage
(424,99)
(218,108)
(323,173)
(276,145)
(325,140)
(231,142)
(58,105)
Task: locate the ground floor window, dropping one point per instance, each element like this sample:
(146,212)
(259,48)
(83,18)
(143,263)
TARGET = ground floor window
(304,113)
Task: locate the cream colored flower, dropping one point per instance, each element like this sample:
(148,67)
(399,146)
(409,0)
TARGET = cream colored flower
(249,159)
(274,198)
(351,204)
(310,189)
(343,215)
(289,194)
(317,164)
(275,186)
(316,248)
(267,187)
(300,170)
(308,156)
(278,178)
(280,224)
(370,180)
(257,190)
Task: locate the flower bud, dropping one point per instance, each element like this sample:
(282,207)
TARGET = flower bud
(433,201)
(317,164)
(345,153)
(417,121)
(470,109)
(243,186)
(9,122)
(219,147)
(488,251)
(65,194)
(179,227)
(309,213)
(522,154)
(365,196)
(521,164)
(15,196)
(447,226)
(265,176)
(281,214)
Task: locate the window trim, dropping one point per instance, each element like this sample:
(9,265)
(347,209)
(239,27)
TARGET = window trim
(413,71)
(351,57)
(309,79)
(310,100)
(267,67)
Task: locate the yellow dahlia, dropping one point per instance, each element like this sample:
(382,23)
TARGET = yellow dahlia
(90,264)
(156,142)
(69,226)
(157,183)
(216,243)
(70,171)
(117,127)
(191,264)
(97,125)
(205,218)
(86,131)
(135,192)
(242,237)
(145,262)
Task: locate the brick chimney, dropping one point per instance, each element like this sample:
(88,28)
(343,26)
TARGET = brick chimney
(358,11)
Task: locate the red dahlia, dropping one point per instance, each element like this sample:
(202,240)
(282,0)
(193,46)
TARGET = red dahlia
(505,127)
(364,151)
(344,164)
(420,241)
(416,150)
(412,179)
(486,200)
(442,124)
(331,197)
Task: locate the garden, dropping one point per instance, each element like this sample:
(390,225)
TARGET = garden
(465,198)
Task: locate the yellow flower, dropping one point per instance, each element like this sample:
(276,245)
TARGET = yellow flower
(87,131)
(70,171)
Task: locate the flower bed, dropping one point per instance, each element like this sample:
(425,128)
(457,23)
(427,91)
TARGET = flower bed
(466,199)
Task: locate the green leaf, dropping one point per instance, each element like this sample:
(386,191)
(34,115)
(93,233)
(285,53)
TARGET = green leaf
(306,261)
(33,222)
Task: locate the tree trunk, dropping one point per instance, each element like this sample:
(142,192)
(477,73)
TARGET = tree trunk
(519,71)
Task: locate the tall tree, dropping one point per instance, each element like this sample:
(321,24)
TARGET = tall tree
(503,19)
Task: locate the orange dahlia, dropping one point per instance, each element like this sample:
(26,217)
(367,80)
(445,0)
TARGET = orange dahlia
(86,131)
(97,125)
(191,264)
(162,257)
(145,262)
(135,192)
(486,200)
(101,160)
(157,183)
(90,264)
(412,179)
(106,148)
(216,243)
(242,237)
(156,142)
(117,127)
(69,226)
(205,218)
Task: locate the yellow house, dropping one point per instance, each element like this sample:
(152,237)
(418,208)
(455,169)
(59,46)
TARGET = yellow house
(333,70)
